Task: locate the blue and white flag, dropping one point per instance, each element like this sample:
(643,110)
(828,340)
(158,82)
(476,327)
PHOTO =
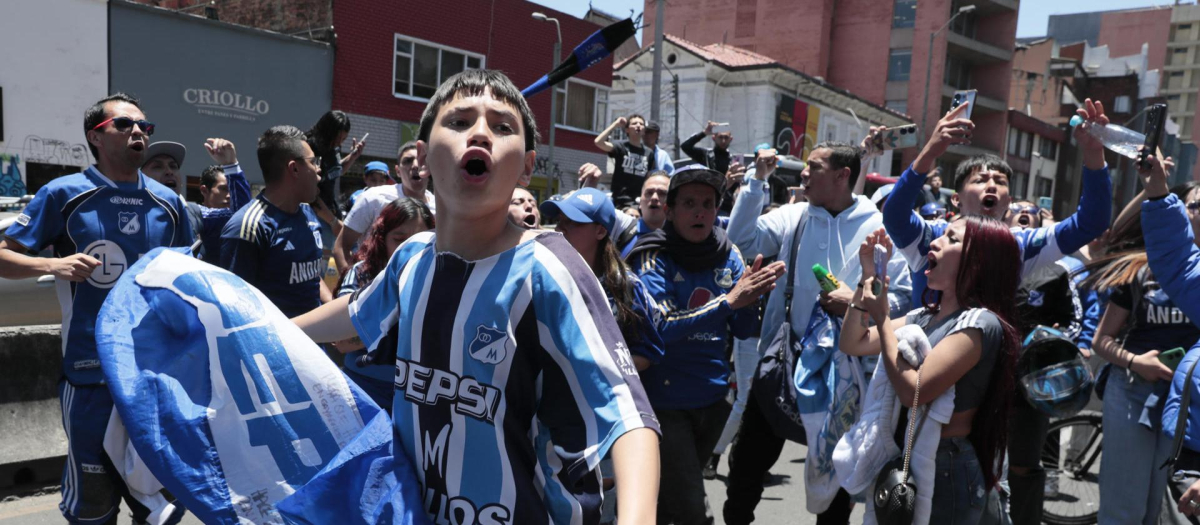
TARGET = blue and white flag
(225,400)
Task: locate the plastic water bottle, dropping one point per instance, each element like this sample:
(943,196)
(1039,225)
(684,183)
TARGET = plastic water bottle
(1120,139)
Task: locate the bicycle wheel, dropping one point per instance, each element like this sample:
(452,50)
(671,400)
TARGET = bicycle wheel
(1072,450)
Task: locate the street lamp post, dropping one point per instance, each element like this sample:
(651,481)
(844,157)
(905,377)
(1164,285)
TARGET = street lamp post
(554,90)
(929,67)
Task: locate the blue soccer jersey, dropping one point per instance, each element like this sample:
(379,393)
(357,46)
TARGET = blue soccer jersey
(512,380)
(277,252)
(114,222)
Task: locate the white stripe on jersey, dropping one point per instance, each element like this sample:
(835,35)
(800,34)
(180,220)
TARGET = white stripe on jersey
(62,288)
(456,445)
(71,491)
(508,489)
(555,463)
(249,228)
(415,347)
(599,352)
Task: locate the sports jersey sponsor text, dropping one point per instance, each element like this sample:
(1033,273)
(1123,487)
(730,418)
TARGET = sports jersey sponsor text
(461,511)
(112,263)
(86,364)
(126,201)
(431,386)
(306,271)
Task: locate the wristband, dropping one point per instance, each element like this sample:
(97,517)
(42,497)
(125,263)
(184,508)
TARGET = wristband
(1129,365)
(857,307)
(1159,198)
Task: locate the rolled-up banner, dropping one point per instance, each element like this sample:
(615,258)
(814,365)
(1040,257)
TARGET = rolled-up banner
(594,49)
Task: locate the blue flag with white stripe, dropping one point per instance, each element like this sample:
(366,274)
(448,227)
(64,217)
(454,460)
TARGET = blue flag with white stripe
(225,400)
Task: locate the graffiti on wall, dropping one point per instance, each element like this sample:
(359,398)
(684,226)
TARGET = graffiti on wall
(11,184)
(54,151)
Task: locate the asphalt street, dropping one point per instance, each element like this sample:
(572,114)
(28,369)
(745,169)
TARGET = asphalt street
(783,501)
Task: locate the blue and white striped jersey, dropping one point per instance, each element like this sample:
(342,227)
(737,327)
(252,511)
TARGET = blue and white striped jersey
(114,222)
(512,380)
(279,253)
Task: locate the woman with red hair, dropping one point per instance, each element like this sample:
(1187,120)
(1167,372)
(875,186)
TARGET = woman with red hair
(399,220)
(974,344)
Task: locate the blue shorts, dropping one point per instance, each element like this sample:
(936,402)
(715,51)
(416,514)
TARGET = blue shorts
(91,488)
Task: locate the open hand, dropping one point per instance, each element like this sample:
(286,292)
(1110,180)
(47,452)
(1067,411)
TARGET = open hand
(755,281)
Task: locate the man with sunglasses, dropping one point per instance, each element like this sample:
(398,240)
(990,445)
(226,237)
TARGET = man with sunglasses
(274,243)
(99,222)
(368,205)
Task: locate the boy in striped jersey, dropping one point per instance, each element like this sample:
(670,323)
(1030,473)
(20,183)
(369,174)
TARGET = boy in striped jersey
(512,379)
(274,243)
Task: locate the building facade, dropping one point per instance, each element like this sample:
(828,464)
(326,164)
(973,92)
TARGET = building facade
(389,62)
(43,96)
(763,101)
(875,49)
(209,80)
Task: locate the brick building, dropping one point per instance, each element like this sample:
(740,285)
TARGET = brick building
(390,61)
(874,48)
(372,44)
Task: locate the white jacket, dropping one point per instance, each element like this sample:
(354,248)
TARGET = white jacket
(864,450)
(830,241)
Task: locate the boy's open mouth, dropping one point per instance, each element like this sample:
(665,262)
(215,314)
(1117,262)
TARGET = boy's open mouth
(476,164)
(989,201)
(1024,220)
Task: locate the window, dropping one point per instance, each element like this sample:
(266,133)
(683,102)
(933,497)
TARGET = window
(958,73)
(1121,104)
(1019,143)
(899,64)
(1017,186)
(1042,187)
(420,67)
(899,106)
(904,13)
(581,105)
(1047,148)
(965,23)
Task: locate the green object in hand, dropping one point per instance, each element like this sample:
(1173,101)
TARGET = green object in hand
(1172,357)
(827,281)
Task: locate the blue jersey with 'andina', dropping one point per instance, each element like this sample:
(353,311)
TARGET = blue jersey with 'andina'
(277,252)
(512,380)
(113,222)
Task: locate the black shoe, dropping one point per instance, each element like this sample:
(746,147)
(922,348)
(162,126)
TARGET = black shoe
(710,468)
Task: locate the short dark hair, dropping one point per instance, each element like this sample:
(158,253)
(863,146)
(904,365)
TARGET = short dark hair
(208,177)
(412,144)
(844,155)
(95,114)
(276,147)
(325,131)
(474,82)
(968,167)
(633,116)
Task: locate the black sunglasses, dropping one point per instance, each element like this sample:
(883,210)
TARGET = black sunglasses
(126,123)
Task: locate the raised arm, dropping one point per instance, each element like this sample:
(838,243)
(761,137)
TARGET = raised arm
(752,232)
(601,140)
(1170,244)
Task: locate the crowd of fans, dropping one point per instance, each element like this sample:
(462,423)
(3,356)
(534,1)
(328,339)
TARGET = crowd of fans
(656,307)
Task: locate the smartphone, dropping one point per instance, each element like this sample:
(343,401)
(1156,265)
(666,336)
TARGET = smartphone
(1172,357)
(1156,118)
(964,97)
(720,127)
(880,269)
(899,137)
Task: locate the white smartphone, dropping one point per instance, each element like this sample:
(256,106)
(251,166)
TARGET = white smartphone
(899,137)
(967,97)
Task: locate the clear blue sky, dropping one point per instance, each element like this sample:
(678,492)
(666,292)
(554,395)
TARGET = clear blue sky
(1032,21)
